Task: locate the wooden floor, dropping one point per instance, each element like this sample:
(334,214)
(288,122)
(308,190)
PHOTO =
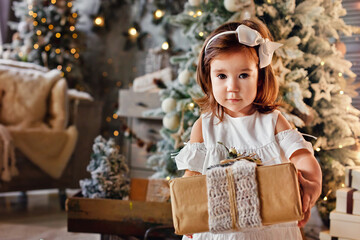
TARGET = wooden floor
(40,218)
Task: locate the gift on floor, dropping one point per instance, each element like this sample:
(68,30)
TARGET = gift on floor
(344,225)
(352,177)
(278,191)
(348,201)
(325,235)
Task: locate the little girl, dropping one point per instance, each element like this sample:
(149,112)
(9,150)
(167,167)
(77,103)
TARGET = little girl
(239,110)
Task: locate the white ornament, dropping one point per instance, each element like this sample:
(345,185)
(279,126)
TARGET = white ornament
(236,5)
(322,89)
(171,122)
(168,105)
(184,77)
(195,3)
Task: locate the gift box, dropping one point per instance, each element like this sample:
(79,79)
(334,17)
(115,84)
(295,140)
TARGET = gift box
(325,235)
(278,191)
(352,177)
(348,201)
(344,225)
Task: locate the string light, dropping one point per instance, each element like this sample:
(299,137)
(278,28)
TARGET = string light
(168,178)
(201,34)
(31,13)
(59,67)
(51,27)
(199,13)
(116,133)
(322,63)
(43,20)
(68,68)
(318,149)
(115,116)
(342,185)
(340,146)
(165,46)
(58,35)
(38,32)
(69,4)
(341,92)
(30,6)
(340,74)
(325,198)
(72,28)
(73,50)
(47,47)
(191,13)
(191,106)
(53,1)
(34,15)
(35,23)
(74,15)
(76,55)
(159,14)
(74,35)
(108,119)
(269,1)
(36,46)
(99,21)
(132,31)
(21,54)
(57,51)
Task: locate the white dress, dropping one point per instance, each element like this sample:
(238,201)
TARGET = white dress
(249,134)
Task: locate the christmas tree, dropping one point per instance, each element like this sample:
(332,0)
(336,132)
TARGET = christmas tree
(109,172)
(315,80)
(46,35)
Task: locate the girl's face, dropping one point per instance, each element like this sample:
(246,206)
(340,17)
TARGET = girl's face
(234,77)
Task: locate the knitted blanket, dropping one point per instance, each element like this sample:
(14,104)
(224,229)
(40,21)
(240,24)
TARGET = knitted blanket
(233,201)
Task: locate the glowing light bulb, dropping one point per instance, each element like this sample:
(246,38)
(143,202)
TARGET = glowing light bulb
(36,46)
(199,13)
(191,13)
(47,47)
(340,74)
(99,21)
(72,28)
(201,34)
(58,35)
(53,1)
(318,149)
(165,46)
(108,119)
(31,13)
(132,31)
(38,32)
(68,68)
(340,146)
(57,51)
(159,14)
(51,27)
(74,35)
(74,15)
(34,15)
(59,67)
(168,178)
(115,116)
(73,50)
(43,20)
(116,133)
(35,23)
(76,55)
(341,92)
(325,198)
(322,63)
(69,4)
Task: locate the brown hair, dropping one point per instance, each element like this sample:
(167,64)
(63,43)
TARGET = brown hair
(267,90)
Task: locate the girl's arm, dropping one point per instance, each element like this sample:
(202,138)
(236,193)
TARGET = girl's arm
(196,136)
(310,176)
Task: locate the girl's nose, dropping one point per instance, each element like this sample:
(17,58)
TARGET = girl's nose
(233,85)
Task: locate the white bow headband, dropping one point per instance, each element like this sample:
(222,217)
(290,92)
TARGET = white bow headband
(251,38)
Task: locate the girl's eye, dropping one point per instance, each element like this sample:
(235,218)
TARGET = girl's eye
(243,75)
(221,76)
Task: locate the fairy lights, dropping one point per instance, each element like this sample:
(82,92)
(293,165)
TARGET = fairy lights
(99,21)
(133,32)
(159,14)
(165,46)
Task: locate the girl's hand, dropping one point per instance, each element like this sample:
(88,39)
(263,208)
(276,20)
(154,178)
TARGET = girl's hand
(310,193)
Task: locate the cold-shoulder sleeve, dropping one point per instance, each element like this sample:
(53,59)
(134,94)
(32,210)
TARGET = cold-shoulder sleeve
(191,157)
(291,140)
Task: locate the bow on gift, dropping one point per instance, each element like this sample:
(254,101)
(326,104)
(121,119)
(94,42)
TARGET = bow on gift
(252,38)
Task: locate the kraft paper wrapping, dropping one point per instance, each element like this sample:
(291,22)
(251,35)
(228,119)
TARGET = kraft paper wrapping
(279,195)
